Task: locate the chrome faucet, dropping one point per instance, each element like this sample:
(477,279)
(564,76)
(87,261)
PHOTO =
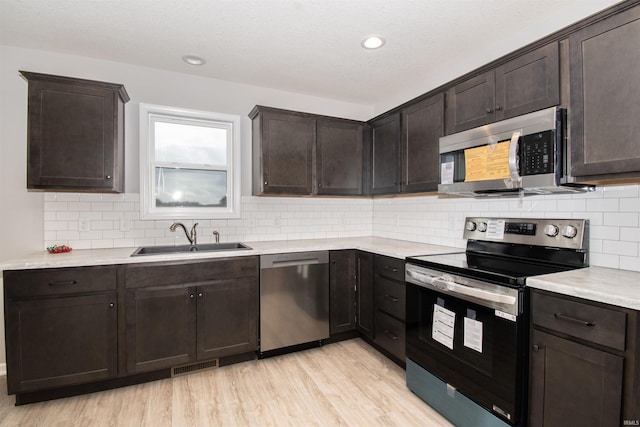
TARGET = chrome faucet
(191,235)
(216,234)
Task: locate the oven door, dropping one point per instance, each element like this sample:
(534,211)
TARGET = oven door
(471,336)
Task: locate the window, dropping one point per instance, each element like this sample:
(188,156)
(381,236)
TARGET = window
(189,164)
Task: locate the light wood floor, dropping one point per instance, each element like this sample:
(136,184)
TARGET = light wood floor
(346,383)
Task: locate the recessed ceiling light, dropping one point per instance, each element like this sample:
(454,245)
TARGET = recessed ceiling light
(194,60)
(372,42)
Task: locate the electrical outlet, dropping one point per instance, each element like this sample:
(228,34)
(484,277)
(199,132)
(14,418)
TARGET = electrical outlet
(83,224)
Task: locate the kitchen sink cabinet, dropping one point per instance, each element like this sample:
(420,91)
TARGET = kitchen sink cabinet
(390,301)
(342,291)
(297,153)
(61,327)
(527,83)
(75,134)
(604,65)
(385,154)
(364,294)
(583,362)
(422,127)
(179,313)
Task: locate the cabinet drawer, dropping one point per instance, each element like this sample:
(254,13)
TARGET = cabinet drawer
(390,297)
(600,325)
(392,268)
(59,281)
(390,334)
(181,272)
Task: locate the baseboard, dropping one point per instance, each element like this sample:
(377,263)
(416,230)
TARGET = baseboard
(3,369)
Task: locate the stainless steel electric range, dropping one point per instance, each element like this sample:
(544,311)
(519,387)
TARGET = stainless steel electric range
(467,325)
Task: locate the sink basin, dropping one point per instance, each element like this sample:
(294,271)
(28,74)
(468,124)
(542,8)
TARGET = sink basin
(207,247)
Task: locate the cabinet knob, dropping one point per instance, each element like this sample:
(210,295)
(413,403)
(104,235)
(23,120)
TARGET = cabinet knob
(498,108)
(200,294)
(536,347)
(108,177)
(319,185)
(192,296)
(489,111)
(111,305)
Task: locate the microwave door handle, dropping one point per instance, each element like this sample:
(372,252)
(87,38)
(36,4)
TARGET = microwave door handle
(513,158)
(475,292)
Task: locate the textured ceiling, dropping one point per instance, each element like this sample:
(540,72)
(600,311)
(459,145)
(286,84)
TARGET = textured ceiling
(305,46)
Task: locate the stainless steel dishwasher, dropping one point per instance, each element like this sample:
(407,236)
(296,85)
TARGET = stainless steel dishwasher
(294,299)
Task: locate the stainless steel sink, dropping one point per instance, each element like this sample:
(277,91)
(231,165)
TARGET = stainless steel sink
(207,247)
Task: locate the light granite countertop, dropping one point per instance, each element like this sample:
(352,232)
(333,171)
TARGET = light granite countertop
(85,257)
(607,285)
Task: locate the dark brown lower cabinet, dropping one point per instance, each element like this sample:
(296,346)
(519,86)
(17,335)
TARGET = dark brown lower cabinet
(183,312)
(583,363)
(56,342)
(364,293)
(573,382)
(342,291)
(389,303)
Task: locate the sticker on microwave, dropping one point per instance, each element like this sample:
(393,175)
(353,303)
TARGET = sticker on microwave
(443,324)
(473,334)
(446,173)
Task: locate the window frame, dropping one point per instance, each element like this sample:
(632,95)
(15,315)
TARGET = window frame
(149,113)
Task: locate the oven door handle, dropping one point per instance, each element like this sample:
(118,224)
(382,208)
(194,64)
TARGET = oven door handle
(453,287)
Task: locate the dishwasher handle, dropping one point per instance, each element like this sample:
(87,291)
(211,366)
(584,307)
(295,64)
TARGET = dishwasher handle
(294,259)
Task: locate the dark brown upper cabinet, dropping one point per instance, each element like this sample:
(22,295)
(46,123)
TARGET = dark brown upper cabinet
(297,153)
(527,83)
(385,154)
(339,157)
(283,143)
(422,127)
(605,94)
(75,134)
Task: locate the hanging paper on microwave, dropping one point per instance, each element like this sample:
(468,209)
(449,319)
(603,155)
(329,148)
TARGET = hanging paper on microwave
(443,325)
(487,162)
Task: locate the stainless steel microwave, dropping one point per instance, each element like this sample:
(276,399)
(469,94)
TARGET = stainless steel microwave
(524,155)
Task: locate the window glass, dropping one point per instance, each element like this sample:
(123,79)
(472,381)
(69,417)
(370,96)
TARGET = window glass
(189,164)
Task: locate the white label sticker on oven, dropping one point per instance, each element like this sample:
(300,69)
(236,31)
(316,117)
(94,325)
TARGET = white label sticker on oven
(473,334)
(495,229)
(506,315)
(443,323)
(446,173)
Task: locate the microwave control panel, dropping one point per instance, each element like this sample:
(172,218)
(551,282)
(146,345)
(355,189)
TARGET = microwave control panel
(537,154)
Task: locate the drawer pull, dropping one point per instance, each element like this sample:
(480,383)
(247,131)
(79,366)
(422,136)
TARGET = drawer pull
(394,270)
(390,298)
(63,282)
(390,334)
(574,320)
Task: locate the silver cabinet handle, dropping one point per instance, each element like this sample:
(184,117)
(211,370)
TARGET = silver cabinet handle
(574,320)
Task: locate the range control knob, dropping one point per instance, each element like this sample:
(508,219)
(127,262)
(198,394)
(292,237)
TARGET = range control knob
(482,227)
(471,225)
(569,231)
(551,230)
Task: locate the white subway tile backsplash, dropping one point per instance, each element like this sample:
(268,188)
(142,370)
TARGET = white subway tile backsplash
(613,212)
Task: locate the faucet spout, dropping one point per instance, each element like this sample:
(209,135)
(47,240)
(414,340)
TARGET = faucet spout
(191,235)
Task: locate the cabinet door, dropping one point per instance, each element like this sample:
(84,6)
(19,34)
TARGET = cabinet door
(385,170)
(227,318)
(342,296)
(75,133)
(287,153)
(59,342)
(528,83)
(604,70)
(365,298)
(573,381)
(422,127)
(471,103)
(339,158)
(160,327)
